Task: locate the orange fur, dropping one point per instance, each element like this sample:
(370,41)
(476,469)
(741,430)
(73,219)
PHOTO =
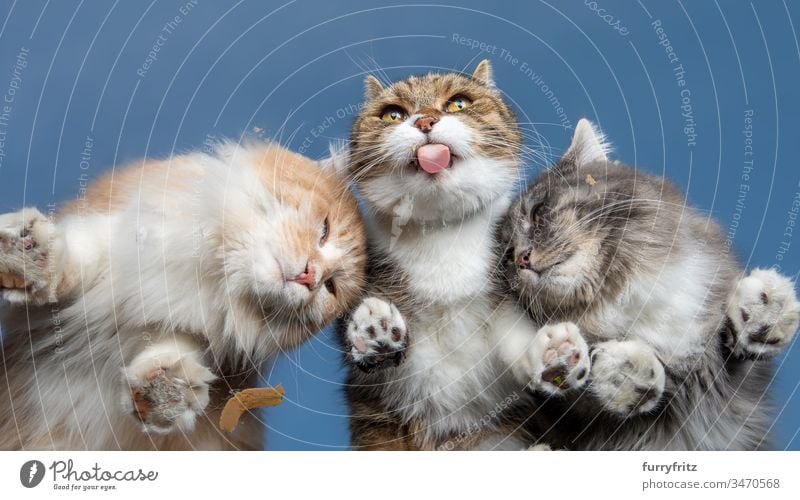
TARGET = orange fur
(235,323)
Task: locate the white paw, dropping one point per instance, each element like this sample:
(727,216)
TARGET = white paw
(557,360)
(166,392)
(627,377)
(764,313)
(376,335)
(25,273)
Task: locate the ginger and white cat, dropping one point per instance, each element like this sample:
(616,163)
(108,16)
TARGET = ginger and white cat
(138,309)
(679,342)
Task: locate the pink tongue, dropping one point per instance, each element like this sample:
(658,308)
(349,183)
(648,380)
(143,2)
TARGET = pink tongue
(433,158)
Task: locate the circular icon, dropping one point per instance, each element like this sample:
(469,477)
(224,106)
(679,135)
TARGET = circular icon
(31,473)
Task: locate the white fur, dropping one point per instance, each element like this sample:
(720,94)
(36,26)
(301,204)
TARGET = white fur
(627,377)
(471,185)
(372,327)
(181,361)
(439,230)
(170,271)
(463,345)
(454,260)
(25,257)
(780,313)
(588,144)
(664,306)
(556,345)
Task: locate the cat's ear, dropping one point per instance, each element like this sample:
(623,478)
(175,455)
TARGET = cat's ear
(483,73)
(372,87)
(588,145)
(338,159)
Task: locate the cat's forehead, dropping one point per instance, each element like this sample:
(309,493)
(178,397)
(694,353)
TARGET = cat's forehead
(558,191)
(431,88)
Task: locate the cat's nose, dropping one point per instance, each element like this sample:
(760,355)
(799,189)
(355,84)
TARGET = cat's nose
(426,123)
(307,277)
(524,259)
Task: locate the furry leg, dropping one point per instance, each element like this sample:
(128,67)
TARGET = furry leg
(627,377)
(552,359)
(376,335)
(43,261)
(30,251)
(167,386)
(763,314)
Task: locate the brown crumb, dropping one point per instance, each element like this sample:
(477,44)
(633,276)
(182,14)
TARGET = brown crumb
(248,399)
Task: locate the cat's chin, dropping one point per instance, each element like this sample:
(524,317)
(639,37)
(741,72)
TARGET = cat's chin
(469,187)
(296,294)
(548,283)
(531,279)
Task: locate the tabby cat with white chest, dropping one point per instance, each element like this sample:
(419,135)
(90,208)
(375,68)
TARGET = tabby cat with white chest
(680,345)
(437,353)
(138,308)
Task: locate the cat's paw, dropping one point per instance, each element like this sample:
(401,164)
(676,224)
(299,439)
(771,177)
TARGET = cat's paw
(557,360)
(763,314)
(376,335)
(25,266)
(627,377)
(167,393)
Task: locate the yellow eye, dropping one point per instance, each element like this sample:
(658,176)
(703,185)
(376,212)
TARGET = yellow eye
(393,114)
(457,103)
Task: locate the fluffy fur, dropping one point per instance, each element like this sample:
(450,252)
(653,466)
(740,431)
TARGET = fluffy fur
(678,340)
(144,303)
(437,356)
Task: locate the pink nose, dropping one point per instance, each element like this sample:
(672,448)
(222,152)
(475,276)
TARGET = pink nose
(426,123)
(306,277)
(524,259)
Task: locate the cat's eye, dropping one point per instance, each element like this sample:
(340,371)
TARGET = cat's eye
(330,286)
(457,103)
(536,213)
(393,114)
(325,232)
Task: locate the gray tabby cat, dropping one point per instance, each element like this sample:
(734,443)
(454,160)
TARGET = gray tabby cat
(680,346)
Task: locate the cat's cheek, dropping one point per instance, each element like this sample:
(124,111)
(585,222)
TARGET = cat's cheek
(329,307)
(582,264)
(401,142)
(318,311)
(455,133)
(566,284)
(267,275)
(331,253)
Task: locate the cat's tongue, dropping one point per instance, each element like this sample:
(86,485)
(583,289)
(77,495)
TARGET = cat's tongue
(433,158)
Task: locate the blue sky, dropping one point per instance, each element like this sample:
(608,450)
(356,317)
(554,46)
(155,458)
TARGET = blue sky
(703,92)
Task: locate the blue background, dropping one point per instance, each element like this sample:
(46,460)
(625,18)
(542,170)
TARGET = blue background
(295,70)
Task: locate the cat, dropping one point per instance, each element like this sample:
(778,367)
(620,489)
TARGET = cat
(436,354)
(139,308)
(680,345)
